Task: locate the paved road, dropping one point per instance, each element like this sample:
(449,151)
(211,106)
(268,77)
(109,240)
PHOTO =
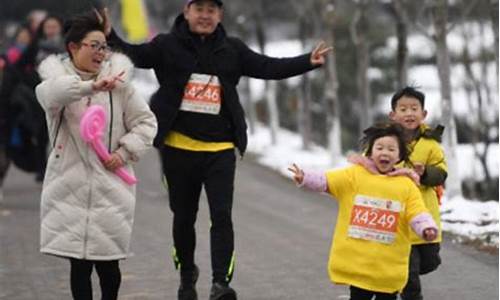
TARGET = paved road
(282,242)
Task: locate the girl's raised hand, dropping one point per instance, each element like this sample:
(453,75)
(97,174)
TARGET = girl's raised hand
(298,174)
(430,234)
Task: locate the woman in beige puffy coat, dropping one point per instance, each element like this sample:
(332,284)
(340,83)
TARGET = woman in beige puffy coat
(87,211)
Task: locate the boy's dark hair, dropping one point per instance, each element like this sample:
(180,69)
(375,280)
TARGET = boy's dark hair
(76,28)
(379,130)
(407,91)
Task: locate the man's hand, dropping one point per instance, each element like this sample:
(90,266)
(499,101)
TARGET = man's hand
(103,16)
(298,174)
(107,83)
(115,162)
(318,56)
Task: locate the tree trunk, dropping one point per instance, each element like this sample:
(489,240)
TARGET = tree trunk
(480,127)
(249,105)
(440,19)
(402,35)
(272,108)
(494,20)
(359,28)
(304,111)
(331,88)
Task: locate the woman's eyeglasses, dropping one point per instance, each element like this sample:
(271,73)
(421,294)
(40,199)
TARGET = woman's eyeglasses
(96,47)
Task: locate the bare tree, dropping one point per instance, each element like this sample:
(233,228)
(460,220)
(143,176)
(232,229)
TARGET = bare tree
(331,88)
(243,27)
(439,13)
(483,120)
(272,107)
(249,105)
(442,26)
(494,21)
(359,35)
(303,12)
(402,35)
(304,121)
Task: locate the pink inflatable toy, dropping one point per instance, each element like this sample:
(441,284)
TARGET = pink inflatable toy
(91,129)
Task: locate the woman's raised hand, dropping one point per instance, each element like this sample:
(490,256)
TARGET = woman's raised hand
(107,83)
(298,174)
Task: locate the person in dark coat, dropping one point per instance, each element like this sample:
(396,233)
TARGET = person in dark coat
(48,40)
(15,144)
(200,123)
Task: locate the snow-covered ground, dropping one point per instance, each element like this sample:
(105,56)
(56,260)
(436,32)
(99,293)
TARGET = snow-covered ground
(464,217)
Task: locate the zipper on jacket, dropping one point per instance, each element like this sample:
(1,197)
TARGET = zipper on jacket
(89,198)
(111,115)
(89,166)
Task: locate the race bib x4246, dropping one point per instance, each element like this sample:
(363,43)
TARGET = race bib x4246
(202,94)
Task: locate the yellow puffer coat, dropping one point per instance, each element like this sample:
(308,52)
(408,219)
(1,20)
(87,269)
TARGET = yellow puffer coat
(427,150)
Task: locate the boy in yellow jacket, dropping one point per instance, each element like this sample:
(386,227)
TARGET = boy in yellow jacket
(427,158)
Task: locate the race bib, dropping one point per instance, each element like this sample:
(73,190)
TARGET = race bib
(202,94)
(374,219)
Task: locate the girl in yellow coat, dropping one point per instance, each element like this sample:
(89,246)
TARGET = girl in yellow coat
(371,243)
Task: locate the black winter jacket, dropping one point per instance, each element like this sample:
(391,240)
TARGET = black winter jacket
(174,58)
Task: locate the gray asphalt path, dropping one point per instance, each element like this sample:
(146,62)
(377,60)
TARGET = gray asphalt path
(283,237)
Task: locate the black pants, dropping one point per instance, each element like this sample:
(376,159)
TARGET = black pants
(109,278)
(361,294)
(186,172)
(42,141)
(4,164)
(424,259)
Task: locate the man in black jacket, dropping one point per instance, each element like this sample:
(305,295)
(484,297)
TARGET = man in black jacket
(200,122)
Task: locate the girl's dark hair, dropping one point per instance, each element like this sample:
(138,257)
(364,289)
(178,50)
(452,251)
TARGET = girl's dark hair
(76,28)
(379,130)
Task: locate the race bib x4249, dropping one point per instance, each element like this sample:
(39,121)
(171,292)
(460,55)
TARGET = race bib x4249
(374,219)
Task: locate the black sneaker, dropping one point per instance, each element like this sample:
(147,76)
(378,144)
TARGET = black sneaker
(187,289)
(222,292)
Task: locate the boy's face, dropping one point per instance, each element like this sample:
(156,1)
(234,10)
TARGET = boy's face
(385,153)
(408,113)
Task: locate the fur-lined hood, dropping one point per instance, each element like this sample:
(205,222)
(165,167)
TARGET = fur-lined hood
(60,64)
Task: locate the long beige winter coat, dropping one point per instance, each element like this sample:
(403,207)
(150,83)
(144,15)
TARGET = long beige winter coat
(87,212)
